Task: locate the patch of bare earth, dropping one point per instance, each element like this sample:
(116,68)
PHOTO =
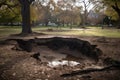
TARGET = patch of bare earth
(46,63)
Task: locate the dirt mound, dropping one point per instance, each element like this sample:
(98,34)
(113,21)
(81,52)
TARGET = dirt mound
(58,43)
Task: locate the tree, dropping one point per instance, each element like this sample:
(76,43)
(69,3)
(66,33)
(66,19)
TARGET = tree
(95,18)
(43,11)
(25,12)
(2,2)
(9,11)
(85,4)
(111,4)
(115,4)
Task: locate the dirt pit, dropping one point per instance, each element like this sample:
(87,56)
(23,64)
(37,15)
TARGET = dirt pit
(53,59)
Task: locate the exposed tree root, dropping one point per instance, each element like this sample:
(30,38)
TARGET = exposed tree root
(87,71)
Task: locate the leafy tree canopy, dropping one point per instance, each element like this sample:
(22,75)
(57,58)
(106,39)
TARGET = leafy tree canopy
(9,11)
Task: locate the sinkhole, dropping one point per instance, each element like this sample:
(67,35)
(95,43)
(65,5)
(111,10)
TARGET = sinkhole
(59,50)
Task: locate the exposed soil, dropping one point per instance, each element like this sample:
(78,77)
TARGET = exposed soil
(48,59)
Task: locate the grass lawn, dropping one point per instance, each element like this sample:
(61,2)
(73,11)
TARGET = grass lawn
(91,31)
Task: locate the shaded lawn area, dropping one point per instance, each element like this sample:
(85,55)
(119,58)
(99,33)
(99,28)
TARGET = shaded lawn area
(90,31)
(7,30)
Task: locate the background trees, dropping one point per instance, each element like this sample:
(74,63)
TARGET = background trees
(59,12)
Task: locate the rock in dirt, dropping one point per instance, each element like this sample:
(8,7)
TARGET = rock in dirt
(36,56)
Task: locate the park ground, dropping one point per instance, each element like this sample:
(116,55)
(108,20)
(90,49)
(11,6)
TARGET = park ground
(19,65)
(88,31)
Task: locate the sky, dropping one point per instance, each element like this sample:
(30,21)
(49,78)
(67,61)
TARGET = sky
(79,3)
(82,4)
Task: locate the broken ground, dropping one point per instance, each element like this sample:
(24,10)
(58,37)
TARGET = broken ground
(17,61)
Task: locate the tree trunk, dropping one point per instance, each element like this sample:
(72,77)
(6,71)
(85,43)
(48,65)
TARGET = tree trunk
(46,22)
(117,9)
(25,11)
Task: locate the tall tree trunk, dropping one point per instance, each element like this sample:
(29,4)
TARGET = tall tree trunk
(117,9)
(118,12)
(26,26)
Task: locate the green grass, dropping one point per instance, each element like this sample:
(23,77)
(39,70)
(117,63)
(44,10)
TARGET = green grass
(5,31)
(91,31)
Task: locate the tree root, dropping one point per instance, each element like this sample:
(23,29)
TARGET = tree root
(87,71)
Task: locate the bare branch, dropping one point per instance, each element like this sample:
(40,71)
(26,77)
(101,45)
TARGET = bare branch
(2,3)
(11,9)
(21,1)
(115,6)
(30,1)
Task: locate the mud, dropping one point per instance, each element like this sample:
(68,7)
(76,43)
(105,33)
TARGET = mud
(49,58)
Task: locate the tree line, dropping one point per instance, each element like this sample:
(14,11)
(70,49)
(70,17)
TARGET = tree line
(60,12)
